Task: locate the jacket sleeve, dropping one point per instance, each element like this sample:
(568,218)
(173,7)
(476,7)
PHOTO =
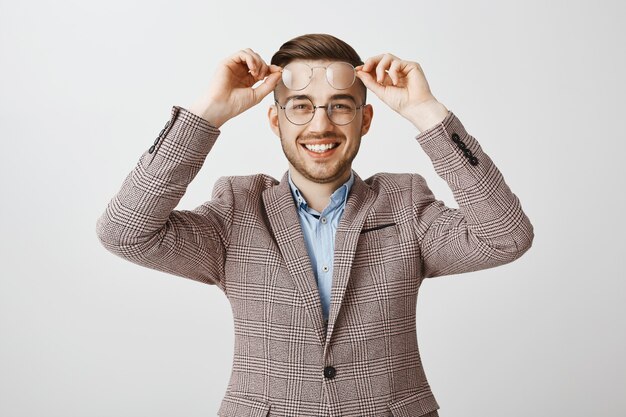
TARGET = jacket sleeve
(488,229)
(140,223)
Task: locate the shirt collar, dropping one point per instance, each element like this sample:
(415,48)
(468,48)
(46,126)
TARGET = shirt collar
(337,198)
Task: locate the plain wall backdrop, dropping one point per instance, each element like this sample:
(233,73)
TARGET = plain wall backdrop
(85,88)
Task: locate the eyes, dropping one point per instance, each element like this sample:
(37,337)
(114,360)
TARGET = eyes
(308,106)
(334,106)
(340,110)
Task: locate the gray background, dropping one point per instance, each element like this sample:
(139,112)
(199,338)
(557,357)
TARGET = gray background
(87,86)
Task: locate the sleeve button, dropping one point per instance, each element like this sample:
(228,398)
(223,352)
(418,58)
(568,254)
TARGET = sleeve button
(151,149)
(473,160)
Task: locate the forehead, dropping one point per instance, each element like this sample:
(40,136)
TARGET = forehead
(318,87)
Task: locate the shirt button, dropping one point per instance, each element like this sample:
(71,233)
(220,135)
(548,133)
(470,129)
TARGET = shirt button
(330,372)
(323,220)
(325,268)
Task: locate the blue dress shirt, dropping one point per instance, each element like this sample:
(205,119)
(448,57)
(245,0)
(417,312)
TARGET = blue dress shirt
(319,235)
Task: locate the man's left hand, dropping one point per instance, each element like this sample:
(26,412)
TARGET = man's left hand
(403,87)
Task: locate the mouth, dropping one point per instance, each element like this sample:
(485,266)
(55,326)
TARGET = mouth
(321,150)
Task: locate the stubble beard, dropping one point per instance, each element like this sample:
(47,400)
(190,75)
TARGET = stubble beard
(328,173)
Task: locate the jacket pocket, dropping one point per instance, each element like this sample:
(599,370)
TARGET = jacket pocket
(414,405)
(371,229)
(243,406)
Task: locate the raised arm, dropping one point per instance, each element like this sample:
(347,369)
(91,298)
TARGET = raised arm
(489,228)
(140,223)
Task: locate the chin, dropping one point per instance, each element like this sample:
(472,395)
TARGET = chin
(324,177)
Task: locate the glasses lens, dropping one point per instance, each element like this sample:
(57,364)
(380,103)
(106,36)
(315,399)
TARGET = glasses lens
(340,75)
(342,111)
(299,111)
(296,76)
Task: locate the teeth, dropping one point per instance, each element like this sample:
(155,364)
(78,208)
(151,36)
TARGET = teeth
(320,148)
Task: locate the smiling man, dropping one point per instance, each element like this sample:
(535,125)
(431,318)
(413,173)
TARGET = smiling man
(322,268)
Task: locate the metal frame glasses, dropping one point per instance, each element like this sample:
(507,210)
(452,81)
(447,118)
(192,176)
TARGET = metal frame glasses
(300,110)
(298,75)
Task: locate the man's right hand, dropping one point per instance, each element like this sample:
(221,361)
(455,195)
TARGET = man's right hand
(230,91)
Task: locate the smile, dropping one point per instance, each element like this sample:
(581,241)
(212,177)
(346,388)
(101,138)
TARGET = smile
(321,148)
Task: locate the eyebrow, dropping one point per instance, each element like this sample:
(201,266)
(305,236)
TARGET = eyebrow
(334,96)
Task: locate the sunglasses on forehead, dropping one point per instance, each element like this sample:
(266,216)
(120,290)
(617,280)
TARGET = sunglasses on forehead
(298,75)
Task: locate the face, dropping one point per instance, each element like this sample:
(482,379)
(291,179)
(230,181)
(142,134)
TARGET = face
(336,163)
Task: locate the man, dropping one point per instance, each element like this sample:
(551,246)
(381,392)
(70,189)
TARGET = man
(322,269)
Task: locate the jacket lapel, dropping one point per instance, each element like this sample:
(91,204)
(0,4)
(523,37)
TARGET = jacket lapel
(285,223)
(359,201)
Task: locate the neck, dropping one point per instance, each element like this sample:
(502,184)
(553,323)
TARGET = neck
(317,195)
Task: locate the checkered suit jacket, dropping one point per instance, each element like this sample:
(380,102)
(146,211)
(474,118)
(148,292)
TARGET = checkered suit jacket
(248,242)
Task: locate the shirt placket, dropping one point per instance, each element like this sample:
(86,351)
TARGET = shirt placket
(325,249)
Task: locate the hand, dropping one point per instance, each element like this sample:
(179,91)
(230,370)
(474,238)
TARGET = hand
(403,87)
(230,91)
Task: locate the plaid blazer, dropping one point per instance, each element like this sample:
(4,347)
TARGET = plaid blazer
(248,242)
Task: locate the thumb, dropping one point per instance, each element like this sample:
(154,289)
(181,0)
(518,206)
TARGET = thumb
(370,83)
(267,86)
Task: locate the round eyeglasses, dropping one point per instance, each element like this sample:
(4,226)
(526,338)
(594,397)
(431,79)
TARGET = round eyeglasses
(298,75)
(340,111)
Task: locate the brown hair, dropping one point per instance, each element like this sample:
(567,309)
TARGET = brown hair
(317,46)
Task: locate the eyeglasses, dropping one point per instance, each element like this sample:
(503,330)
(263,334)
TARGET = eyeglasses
(300,110)
(298,75)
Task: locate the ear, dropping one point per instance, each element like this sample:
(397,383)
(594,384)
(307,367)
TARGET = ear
(368,114)
(272,116)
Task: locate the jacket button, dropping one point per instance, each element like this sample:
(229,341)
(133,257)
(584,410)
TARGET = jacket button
(329,372)
(473,160)
(455,138)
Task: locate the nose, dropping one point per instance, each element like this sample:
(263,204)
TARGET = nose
(320,121)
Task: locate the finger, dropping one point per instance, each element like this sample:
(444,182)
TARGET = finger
(413,70)
(275,68)
(384,63)
(267,86)
(261,65)
(265,70)
(371,83)
(243,57)
(394,72)
(370,63)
